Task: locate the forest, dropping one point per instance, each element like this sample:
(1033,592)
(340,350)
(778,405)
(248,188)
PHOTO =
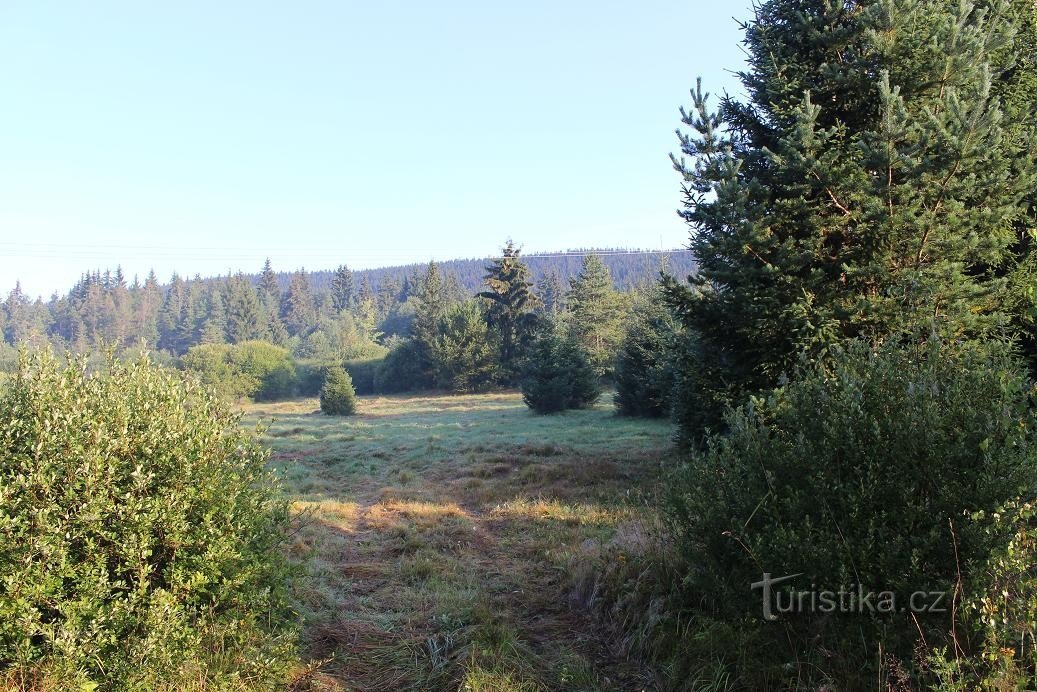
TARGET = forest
(799,455)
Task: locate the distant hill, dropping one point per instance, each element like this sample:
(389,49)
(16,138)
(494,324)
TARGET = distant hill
(628,266)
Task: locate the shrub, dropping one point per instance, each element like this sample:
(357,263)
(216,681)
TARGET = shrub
(1001,612)
(883,472)
(255,369)
(363,373)
(269,367)
(337,397)
(558,375)
(401,369)
(644,366)
(140,534)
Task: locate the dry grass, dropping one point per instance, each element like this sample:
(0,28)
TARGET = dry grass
(437,532)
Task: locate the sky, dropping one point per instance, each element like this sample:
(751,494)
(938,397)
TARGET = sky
(203,137)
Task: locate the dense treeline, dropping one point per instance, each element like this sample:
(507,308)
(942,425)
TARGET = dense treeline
(850,368)
(300,310)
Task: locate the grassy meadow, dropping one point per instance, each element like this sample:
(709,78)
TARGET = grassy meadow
(438,536)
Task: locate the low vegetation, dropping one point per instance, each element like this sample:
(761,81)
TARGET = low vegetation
(439,533)
(141,536)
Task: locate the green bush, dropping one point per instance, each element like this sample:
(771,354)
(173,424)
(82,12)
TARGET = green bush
(1000,613)
(337,397)
(363,373)
(558,375)
(254,369)
(401,369)
(140,534)
(269,367)
(883,472)
(644,372)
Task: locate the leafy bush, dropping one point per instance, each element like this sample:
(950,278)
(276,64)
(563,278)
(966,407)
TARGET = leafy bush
(1000,614)
(558,375)
(267,368)
(363,373)
(337,397)
(881,472)
(140,534)
(644,367)
(401,370)
(255,369)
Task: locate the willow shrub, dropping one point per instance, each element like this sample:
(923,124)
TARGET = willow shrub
(140,534)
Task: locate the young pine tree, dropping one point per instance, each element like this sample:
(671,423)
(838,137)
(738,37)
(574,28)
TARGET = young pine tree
(558,374)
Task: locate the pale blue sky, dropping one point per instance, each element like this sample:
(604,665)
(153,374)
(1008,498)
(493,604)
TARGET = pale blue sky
(204,136)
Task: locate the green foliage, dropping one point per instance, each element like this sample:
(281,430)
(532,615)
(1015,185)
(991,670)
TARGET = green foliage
(645,365)
(402,369)
(337,397)
(510,303)
(1001,612)
(254,369)
(140,534)
(558,375)
(873,182)
(465,351)
(596,314)
(882,471)
(363,374)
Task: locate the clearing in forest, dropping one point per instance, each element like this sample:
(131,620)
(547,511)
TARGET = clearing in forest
(439,533)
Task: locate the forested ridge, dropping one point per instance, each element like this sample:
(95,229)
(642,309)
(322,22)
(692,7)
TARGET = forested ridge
(107,308)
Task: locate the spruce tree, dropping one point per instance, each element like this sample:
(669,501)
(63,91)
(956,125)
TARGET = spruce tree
(510,302)
(464,351)
(431,305)
(343,289)
(337,397)
(269,287)
(867,186)
(297,309)
(243,310)
(644,366)
(596,313)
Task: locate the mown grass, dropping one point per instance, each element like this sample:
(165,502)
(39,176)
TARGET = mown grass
(439,533)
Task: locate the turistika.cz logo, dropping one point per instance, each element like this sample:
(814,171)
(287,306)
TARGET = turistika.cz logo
(854,599)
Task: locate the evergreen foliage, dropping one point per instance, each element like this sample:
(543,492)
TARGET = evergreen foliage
(596,313)
(871,183)
(645,365)
(465,351)
(883,470)
(510,303)
(337,397)
(558,374)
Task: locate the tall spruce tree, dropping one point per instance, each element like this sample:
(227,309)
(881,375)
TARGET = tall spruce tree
(243,310)
(297,309)
(510,302)
(432,305)
(596,313)
(871,183)
(343,289)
